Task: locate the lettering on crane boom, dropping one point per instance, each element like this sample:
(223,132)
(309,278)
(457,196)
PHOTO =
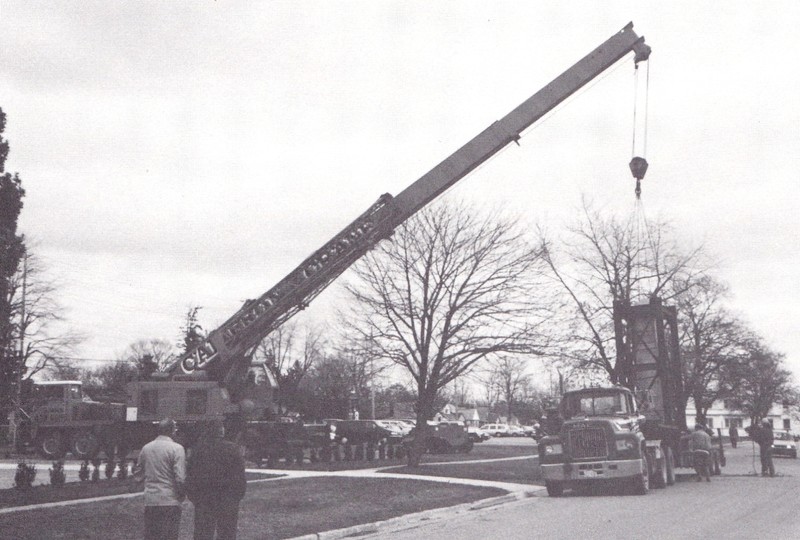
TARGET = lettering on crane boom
(303,283)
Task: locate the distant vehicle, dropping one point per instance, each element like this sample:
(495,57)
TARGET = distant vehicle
(515,431)
(477,434)
(445,438)
(785,444)
(396,427)
(496,430)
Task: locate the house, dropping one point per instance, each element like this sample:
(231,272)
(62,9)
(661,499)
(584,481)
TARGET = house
(722,416)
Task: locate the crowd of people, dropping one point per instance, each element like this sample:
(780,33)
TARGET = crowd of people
(212,478)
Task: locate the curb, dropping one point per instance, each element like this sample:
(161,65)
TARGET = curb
(410,521)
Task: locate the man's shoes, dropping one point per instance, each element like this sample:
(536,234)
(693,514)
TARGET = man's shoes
(763,474)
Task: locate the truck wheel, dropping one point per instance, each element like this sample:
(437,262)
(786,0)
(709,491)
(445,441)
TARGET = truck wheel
(466,447)
(554,489)
(641,483)
(51,445)
(660,474)
(85,445)
(670,458)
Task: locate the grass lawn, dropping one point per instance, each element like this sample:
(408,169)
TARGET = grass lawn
(522,471)
(272,509)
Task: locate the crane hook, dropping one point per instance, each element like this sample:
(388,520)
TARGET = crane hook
(638,167)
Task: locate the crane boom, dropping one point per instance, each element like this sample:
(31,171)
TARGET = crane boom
(225,350)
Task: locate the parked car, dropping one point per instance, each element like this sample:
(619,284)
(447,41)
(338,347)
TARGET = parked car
(477,434)
(496,430)
(784,444)
(515,430)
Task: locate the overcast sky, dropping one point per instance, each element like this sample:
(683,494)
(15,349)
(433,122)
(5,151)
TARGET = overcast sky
(192,153)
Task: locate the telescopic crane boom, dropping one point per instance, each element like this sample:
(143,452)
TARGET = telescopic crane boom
(224,355)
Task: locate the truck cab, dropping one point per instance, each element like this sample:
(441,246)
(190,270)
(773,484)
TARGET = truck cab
(57,417)
(600,440)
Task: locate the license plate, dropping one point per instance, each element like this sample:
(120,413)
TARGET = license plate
(589,474)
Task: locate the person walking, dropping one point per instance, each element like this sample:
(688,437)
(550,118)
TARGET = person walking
(700,444)
(733,433)
(215,484)
(764,437)
(161,465)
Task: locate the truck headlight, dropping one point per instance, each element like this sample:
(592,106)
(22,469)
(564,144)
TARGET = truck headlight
(553,449)
(625,444)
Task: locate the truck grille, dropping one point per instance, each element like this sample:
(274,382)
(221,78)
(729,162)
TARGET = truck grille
(588,443)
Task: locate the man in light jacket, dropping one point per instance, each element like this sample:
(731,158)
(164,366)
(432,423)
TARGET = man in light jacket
(162,467)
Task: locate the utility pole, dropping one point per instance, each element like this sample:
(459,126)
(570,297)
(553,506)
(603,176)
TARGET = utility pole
(17,410)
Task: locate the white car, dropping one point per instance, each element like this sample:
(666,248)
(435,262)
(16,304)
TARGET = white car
(496,430)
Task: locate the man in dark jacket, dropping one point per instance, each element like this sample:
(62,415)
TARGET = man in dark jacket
(763,436)
(215,483)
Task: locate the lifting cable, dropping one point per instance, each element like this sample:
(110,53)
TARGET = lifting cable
(638,165)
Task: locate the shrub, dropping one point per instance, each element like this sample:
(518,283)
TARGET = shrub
(96,472)
(110,466)
(83,473)
(25,475)
(122,473)
(57,475)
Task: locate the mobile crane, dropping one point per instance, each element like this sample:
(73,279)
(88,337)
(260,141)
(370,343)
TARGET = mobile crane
(216,378)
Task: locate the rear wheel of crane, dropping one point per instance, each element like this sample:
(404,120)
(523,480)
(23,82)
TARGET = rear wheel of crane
(85,445)
(641,483)
(51,445)
(554,489)
(670,459)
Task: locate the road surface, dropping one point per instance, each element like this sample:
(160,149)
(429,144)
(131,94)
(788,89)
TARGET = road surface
(738,504)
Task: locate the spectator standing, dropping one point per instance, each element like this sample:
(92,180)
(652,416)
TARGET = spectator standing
(763,436)
(700,444)
(215,484)
(734,435)
(162,467)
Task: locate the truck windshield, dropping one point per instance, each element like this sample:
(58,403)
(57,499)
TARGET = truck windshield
(598,405)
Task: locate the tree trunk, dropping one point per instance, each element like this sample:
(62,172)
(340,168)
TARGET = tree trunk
(422,430)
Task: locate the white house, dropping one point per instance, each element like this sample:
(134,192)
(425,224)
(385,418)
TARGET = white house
(723,417)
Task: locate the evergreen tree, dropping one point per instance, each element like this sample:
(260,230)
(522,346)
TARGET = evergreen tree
(12,248)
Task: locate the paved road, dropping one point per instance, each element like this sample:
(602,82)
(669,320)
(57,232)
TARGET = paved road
(737,504)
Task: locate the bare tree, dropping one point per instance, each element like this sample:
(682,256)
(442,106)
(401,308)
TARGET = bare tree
(712,340)
(608,260)
(153,354)
(509,375)
(761,381)
(46,342)
(450,289)
(288,353)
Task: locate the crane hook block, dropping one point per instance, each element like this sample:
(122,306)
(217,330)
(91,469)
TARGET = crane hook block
(638,167)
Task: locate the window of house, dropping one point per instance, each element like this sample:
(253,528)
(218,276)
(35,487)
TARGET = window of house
(710,423)
(733,422)
(787,424)
(196,401)
(148,401)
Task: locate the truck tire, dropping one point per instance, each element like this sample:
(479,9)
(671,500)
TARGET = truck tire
(554,489)
(85,445)
(641,483)
(51,445)
(466,448)
(670,458)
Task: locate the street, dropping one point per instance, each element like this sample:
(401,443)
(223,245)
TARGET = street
(737,504)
